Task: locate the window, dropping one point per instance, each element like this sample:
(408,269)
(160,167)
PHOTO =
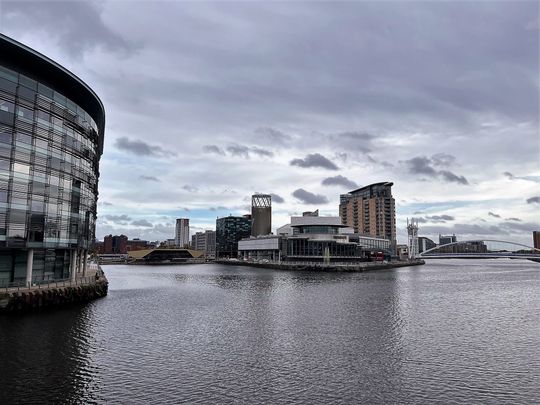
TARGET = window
(21,168)
(7,106)
(26,114)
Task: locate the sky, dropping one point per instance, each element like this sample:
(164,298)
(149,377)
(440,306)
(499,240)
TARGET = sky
(208,103)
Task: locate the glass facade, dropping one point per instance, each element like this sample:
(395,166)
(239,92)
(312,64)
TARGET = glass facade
(229,230)
(49,169)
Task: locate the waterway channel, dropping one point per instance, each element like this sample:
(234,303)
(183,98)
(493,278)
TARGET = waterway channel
(451,331)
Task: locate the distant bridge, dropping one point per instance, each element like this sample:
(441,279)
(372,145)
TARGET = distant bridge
(481,249)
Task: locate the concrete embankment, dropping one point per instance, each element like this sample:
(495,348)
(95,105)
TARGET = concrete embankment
(54,295)
(321,267)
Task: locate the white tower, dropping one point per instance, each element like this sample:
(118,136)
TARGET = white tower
(412,231)
(181,237)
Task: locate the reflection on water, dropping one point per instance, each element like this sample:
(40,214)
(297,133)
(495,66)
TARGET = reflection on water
(449,331)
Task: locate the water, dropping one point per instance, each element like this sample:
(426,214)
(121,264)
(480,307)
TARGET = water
(453,331)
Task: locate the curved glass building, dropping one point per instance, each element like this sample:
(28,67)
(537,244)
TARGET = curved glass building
(51,140)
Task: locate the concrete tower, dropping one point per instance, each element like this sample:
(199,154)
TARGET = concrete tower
(261,214)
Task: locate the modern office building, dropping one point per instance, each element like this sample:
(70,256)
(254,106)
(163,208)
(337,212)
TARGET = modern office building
(425,244)
(536,239)
(51,139)
(204,242)
(446,239)
(370,211)
(229,230)
(261,214)
(181,235)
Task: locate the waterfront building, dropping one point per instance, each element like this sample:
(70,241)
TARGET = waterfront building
(313,238)
(51,140)
(229,230)
(425,244)
(205,242)
(536,239)
(446,239)
(181,236)
(261,214)
(164,256)
(370,211)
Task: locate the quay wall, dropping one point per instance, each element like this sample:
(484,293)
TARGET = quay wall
(34,299)
(320,267)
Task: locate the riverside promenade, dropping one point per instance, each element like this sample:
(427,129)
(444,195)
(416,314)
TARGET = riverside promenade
(84,287)
(322,267)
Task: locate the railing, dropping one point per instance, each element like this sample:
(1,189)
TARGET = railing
(41,283)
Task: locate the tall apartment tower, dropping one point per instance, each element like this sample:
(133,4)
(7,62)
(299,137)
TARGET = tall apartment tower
(261,214)
(536,239)
(370,210)
(181,236)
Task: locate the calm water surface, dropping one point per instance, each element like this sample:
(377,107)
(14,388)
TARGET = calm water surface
(452,331)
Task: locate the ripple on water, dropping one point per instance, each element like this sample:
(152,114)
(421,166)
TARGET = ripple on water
(443,333)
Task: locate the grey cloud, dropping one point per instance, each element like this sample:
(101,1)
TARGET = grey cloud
(190,188)
(238,150)
(492,214)
(271,136)
(213,149)
(424,166)
(533,200)
(435,218)
(513,219)
(452,178)
(262,152)
(339,180)
(105,204)
(314,160)
(149,178)
(443,159)
(141,148)
(420,165)
(244,151)
(535,179)
(309,198)
(277,199)
(77,26)
(143,223)
(509,175)
(117,219)
(354,140)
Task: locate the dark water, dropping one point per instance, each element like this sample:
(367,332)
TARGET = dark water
(458,331)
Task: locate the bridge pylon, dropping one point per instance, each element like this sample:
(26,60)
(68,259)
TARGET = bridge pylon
(412,231)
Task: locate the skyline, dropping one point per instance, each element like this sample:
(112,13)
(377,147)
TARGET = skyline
(224,102)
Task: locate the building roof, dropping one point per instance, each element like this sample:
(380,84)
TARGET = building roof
(383,183)
(140,254)
(314,221)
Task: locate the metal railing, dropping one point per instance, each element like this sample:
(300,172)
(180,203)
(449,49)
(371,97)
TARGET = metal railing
(40,282)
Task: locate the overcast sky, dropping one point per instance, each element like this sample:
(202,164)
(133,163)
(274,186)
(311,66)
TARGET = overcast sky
(208,103)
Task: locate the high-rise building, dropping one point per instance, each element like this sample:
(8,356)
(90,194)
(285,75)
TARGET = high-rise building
(261,214)
(536,239)
(181,236)
(229,230)
(116,244)
(204,241)
(51,139)
(370,210)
